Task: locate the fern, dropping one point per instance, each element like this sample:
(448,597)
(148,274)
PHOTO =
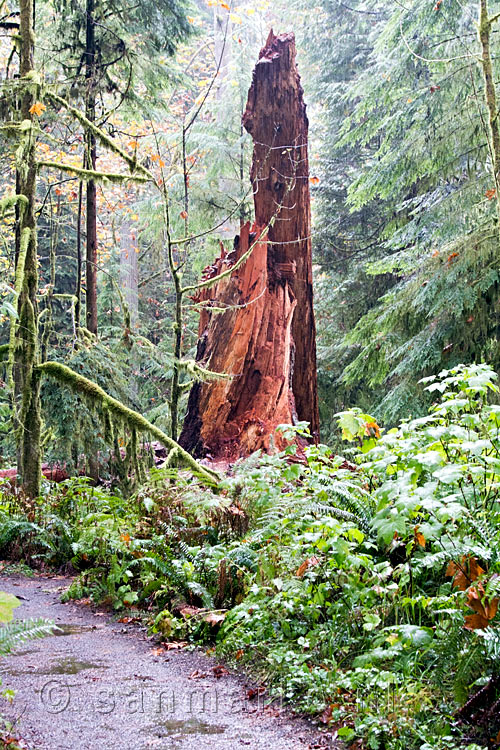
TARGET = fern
(13,634)
(199,590)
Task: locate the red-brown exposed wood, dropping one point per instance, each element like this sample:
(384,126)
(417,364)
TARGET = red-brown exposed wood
(275,117)
(265,337)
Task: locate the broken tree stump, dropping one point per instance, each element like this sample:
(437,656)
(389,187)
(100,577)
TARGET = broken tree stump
(257,325)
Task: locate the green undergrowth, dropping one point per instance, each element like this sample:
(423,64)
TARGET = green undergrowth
(363,588)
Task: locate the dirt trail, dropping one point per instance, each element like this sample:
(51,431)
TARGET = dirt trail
(99,684)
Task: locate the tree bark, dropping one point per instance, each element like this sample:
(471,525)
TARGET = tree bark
(90,163)
(276,119)
(26,353)
(264,339)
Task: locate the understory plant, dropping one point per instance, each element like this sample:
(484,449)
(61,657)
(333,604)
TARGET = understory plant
(363,588)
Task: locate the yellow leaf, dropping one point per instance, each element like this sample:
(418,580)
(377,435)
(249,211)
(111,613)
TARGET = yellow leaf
(224,5)
(235,18)
(37,109)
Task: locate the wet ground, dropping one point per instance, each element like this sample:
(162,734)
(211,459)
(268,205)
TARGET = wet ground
(103,684)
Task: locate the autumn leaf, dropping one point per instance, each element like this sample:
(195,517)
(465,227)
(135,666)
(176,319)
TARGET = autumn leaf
(187,610)
(183,214)
(372,429)
(464,573)
(326,716)
(476,622)
(197,675)
(224,5)
(255,692)
(37,109)
(490,194)
(419,537)
(215,618)
(309,563)
(219,671)
(314,180)
(451,258)
(132,144)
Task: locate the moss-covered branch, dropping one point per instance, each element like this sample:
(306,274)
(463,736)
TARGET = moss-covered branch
(200,373)
(93,392)
(90,174)
(18,285)
(105,139)
(10,201)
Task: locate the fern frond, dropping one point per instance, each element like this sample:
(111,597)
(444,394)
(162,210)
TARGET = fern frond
(13,634)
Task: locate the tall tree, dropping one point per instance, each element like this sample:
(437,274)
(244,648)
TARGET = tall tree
(104,46)
(420,198)
(24,344)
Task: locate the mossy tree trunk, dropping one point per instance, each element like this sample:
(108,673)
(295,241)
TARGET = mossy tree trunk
(90,163)
(25,355)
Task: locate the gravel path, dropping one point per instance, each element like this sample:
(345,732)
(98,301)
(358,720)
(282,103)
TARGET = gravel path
(103,684)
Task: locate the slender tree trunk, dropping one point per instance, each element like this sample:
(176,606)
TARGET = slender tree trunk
(26,354)
(91,155)
(485,24)
(78,285)
(129,286)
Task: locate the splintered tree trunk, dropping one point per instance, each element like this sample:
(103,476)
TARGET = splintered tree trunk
(276,119)
(264,338)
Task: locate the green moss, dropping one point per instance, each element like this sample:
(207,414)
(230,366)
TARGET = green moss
(90,174)
(102,136)
(118,411)
(18,285)
(10,201)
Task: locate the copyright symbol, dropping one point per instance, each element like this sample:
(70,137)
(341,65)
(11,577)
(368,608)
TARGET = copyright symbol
(55,697)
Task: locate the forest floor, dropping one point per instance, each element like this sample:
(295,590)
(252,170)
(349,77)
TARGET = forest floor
(104,683)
